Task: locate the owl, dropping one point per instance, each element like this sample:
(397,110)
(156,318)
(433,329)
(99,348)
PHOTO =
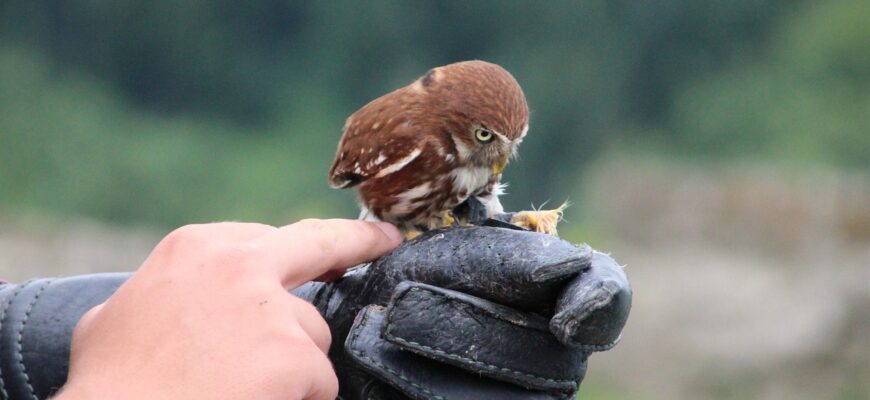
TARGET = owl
(420,151)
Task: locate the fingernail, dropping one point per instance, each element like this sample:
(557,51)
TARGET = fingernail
(390,230)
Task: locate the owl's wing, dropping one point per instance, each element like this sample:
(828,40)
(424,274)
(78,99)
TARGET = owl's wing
(370,150)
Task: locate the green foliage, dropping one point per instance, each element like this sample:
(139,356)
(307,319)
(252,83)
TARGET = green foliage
(77,150)
(167,112)
(808,98)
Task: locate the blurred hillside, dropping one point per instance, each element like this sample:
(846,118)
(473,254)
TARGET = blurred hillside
(720,149)
(750,282)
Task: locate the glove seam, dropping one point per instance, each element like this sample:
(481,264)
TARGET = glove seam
(456,300)
(18,341)
(490,367)
(3,393)
(602,298)
(394,373)
(595,348)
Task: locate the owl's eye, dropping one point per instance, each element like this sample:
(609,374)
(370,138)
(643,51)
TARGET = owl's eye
(482,135)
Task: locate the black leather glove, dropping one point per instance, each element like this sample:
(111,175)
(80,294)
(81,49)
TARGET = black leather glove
(473,313)
(37,318)
(431,341)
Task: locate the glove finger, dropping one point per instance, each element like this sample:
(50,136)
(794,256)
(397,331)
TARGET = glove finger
(592,309)
(517,268)
(482,337)
(421,378)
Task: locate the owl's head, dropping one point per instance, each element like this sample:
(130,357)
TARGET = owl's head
(486,108)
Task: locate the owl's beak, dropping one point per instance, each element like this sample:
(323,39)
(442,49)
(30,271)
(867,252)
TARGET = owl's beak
(498,167)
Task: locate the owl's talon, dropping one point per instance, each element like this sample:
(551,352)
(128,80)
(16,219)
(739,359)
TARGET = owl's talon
(543,221)
(412,234)
(447,219)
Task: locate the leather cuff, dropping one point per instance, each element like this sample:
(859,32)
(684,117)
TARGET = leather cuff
(37,319)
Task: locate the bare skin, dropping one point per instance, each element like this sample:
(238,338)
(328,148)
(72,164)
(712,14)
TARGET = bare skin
(208,316)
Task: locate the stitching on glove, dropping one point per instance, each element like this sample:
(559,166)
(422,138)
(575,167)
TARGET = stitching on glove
(3,393)
(396,374)
(490,367)
(19,348)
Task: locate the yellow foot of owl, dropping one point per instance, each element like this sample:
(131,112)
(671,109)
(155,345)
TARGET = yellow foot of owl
(543,221)
(411,234)
(447,219)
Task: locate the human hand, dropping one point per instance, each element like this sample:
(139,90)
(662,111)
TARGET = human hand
(475,312)
(208,315)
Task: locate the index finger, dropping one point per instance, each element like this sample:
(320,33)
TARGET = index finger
(312,248)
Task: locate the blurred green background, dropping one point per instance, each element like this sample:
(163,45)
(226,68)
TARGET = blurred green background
(178,111)
(684,132)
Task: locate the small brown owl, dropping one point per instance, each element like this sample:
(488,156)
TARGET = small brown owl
(418,152)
